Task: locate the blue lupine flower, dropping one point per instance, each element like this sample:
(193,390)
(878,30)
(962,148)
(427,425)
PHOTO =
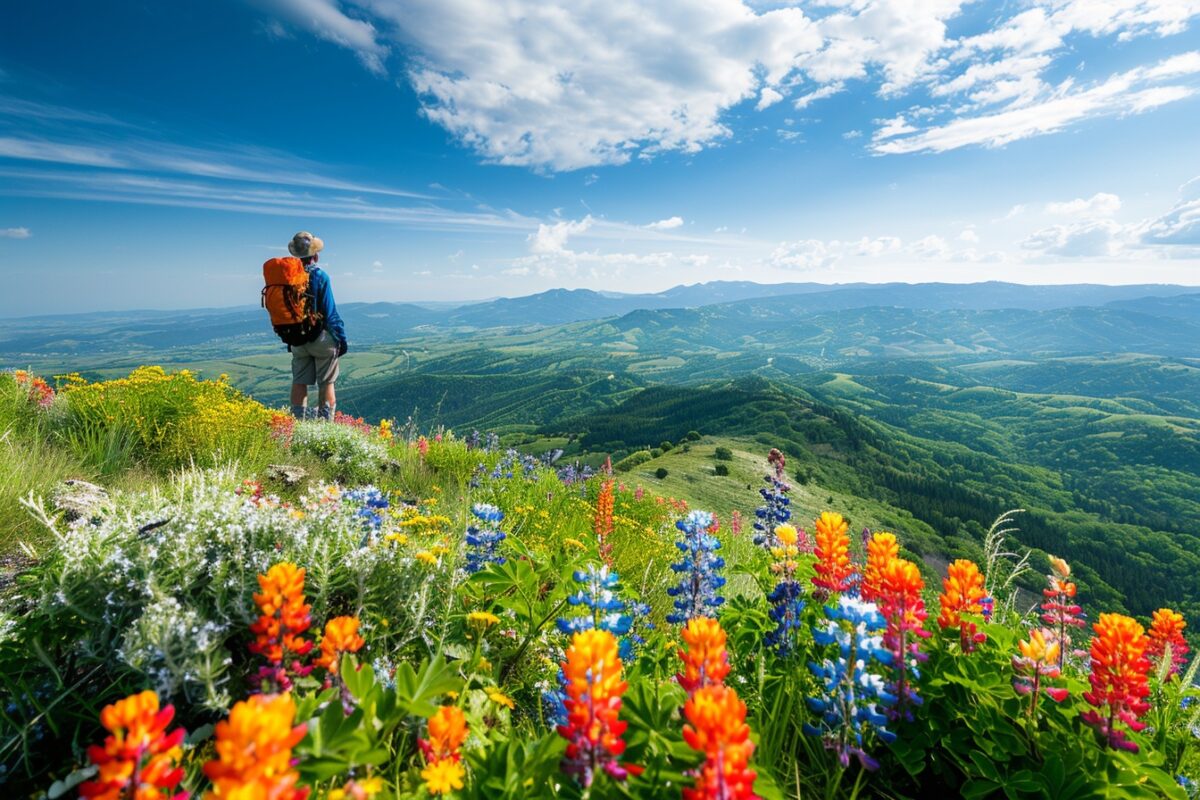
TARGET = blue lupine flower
(774,511)
(850,705)
(1190,786)
(575,473)
(473,440)
(371,502)
(554,703)
(598,592)
(786,604)
(483,540)
(696,595)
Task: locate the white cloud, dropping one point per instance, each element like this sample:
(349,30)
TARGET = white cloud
(805,255)
(1079,240)
(1055,109)
(1101,204)
(562,85)
(1180,225)
(767,98)
(877,246)
(932,247)
(326,19)
(666,224)
(15,233)
(969,235)
(851,135)
(516,271)
(552,239)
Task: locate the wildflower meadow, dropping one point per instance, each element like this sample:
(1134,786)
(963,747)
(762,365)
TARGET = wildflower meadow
(428,614)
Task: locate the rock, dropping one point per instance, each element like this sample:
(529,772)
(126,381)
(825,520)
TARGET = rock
(286,474)
(79,499)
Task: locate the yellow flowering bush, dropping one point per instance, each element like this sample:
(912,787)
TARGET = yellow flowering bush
(170,418)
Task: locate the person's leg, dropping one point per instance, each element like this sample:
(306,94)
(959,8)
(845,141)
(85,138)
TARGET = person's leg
(299,400)
(327,395)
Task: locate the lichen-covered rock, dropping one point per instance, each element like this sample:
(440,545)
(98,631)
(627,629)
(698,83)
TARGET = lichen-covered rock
(286,474)
(78,499)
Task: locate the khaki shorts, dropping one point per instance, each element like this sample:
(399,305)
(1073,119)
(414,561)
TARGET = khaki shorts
(316,362)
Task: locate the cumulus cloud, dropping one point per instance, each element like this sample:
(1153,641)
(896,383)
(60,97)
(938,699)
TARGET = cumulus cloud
(15,233)
(1101,204)
(1079,240)
(666,224)
(804,255)
(1180,225)
(559,85)
(969,235)
(931,247)
(552,239)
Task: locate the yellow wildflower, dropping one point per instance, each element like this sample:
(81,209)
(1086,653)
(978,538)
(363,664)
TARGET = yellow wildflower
(500,698)
(444,776)
(426,556)
(482,618)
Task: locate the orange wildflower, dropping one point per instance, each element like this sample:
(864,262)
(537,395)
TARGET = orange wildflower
(444,772)
(717,727)
(254,751)
(705,661)
(1119,679)
(138,760)
(962,593)
(602,523)
(340,637)
(1166,630)
(881,548)
(834,570)
(593,686)
(280,628)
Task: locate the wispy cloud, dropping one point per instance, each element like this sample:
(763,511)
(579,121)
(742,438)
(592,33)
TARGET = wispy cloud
(15,233)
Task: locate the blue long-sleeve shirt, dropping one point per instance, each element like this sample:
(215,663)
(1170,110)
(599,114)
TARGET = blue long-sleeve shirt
(323,296)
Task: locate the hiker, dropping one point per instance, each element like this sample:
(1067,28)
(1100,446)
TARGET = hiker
(300,300)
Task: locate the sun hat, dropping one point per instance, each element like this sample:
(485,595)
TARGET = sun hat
(304,244)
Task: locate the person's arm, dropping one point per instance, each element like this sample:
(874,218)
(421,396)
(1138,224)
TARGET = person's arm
(328,309)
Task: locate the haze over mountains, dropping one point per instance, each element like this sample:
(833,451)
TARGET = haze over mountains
(921,316)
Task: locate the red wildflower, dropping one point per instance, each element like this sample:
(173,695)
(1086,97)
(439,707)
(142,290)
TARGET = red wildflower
(717,727)
(280,628)
(593,685)
(962,593)
(1119,679)
(899,597)
(1061,612)
(138,760)
(835,573)
(1166,630)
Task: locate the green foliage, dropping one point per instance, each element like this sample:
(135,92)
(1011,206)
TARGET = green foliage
(349,453)
(633,460)
(661,473)
(721,469)
(723,453)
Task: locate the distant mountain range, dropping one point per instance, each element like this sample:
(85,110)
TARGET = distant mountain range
(747,303)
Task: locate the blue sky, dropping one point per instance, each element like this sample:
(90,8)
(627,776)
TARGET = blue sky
(154,154)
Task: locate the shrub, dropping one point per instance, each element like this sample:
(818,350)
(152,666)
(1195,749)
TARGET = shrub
(656,452)
(165,419)
(721,469)
(661,473)
(723,454)
(665,446)
(350,453)
(633,460)
(692,436)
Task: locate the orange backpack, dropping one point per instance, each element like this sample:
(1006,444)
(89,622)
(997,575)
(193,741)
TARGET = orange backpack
(287,298)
